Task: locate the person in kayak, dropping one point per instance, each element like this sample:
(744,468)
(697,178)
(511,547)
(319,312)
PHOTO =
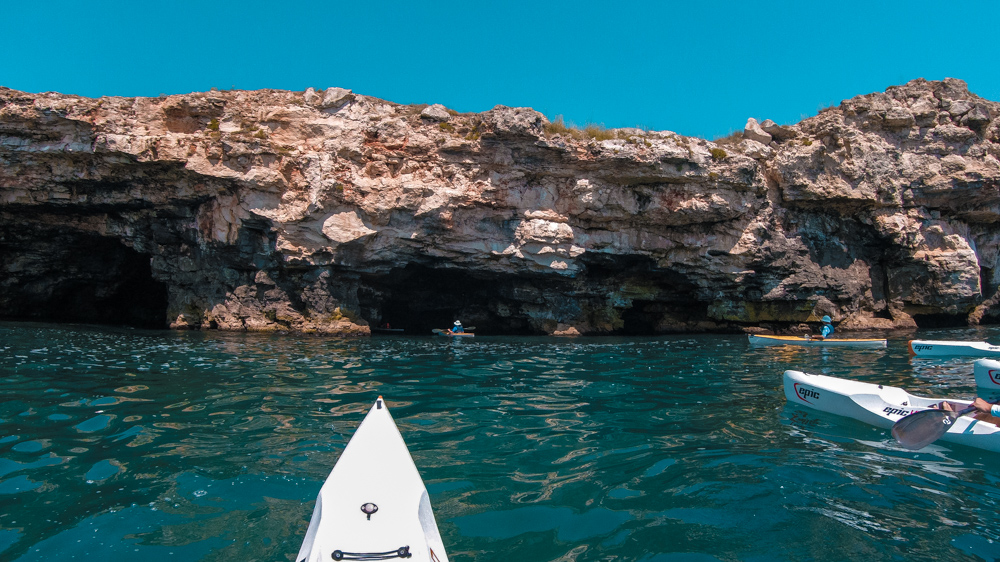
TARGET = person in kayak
(457,328)
(827,328)
(824,332)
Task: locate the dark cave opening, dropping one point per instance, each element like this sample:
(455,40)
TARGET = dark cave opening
(419,299)
(64,277)
(663,317)
(940,320)
(642,318)
(883,312)
(986,281)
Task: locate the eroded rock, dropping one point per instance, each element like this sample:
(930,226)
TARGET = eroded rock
(436,112)
(753,131)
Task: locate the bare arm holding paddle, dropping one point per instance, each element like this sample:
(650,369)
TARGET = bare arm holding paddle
(979,404)
(986,408)
(922,428)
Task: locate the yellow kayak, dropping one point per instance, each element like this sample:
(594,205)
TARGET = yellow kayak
(813,342)
(441,332)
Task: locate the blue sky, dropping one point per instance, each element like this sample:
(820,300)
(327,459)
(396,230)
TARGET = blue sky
(697,68)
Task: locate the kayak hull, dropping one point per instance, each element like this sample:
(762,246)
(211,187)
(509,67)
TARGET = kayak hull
(882,406)
(450,334)
(944,348)
(987,373)
(815,342)
(375,469)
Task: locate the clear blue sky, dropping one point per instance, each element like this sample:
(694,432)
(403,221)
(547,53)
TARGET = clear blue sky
(695,67)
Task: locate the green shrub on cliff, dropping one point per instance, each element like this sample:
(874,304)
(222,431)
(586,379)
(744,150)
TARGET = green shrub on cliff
(718,154)
(213,125)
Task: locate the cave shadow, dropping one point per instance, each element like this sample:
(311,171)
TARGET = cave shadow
(421,298)
(77,277)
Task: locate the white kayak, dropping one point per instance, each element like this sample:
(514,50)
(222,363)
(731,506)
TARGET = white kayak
(943,348)
(374,505)
(814,342)
(987,373)
(882,406)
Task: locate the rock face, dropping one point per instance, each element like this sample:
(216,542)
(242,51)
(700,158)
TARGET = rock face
(332,211)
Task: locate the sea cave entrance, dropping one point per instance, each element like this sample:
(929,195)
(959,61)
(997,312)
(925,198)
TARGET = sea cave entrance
(419,299)
(72,277)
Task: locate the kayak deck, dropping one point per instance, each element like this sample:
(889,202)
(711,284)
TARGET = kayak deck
(453,334)
(374,501)
(945,348)
(815,342)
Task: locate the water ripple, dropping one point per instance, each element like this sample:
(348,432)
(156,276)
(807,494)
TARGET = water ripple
(117,444)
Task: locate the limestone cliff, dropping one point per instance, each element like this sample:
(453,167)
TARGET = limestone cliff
(332,211)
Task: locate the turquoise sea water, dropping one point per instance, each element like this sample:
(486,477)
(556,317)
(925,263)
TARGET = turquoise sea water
(118,444)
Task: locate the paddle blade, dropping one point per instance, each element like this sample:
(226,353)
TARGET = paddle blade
(437,331)
(920,429)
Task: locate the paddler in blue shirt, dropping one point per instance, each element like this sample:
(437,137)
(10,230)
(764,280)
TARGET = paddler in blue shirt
(457,328)
(827,328)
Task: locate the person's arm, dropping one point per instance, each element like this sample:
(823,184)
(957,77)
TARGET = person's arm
(986,408)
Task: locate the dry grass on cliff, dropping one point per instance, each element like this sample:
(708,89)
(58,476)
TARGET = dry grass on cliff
(559,127)
(730,139)
(589,131)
